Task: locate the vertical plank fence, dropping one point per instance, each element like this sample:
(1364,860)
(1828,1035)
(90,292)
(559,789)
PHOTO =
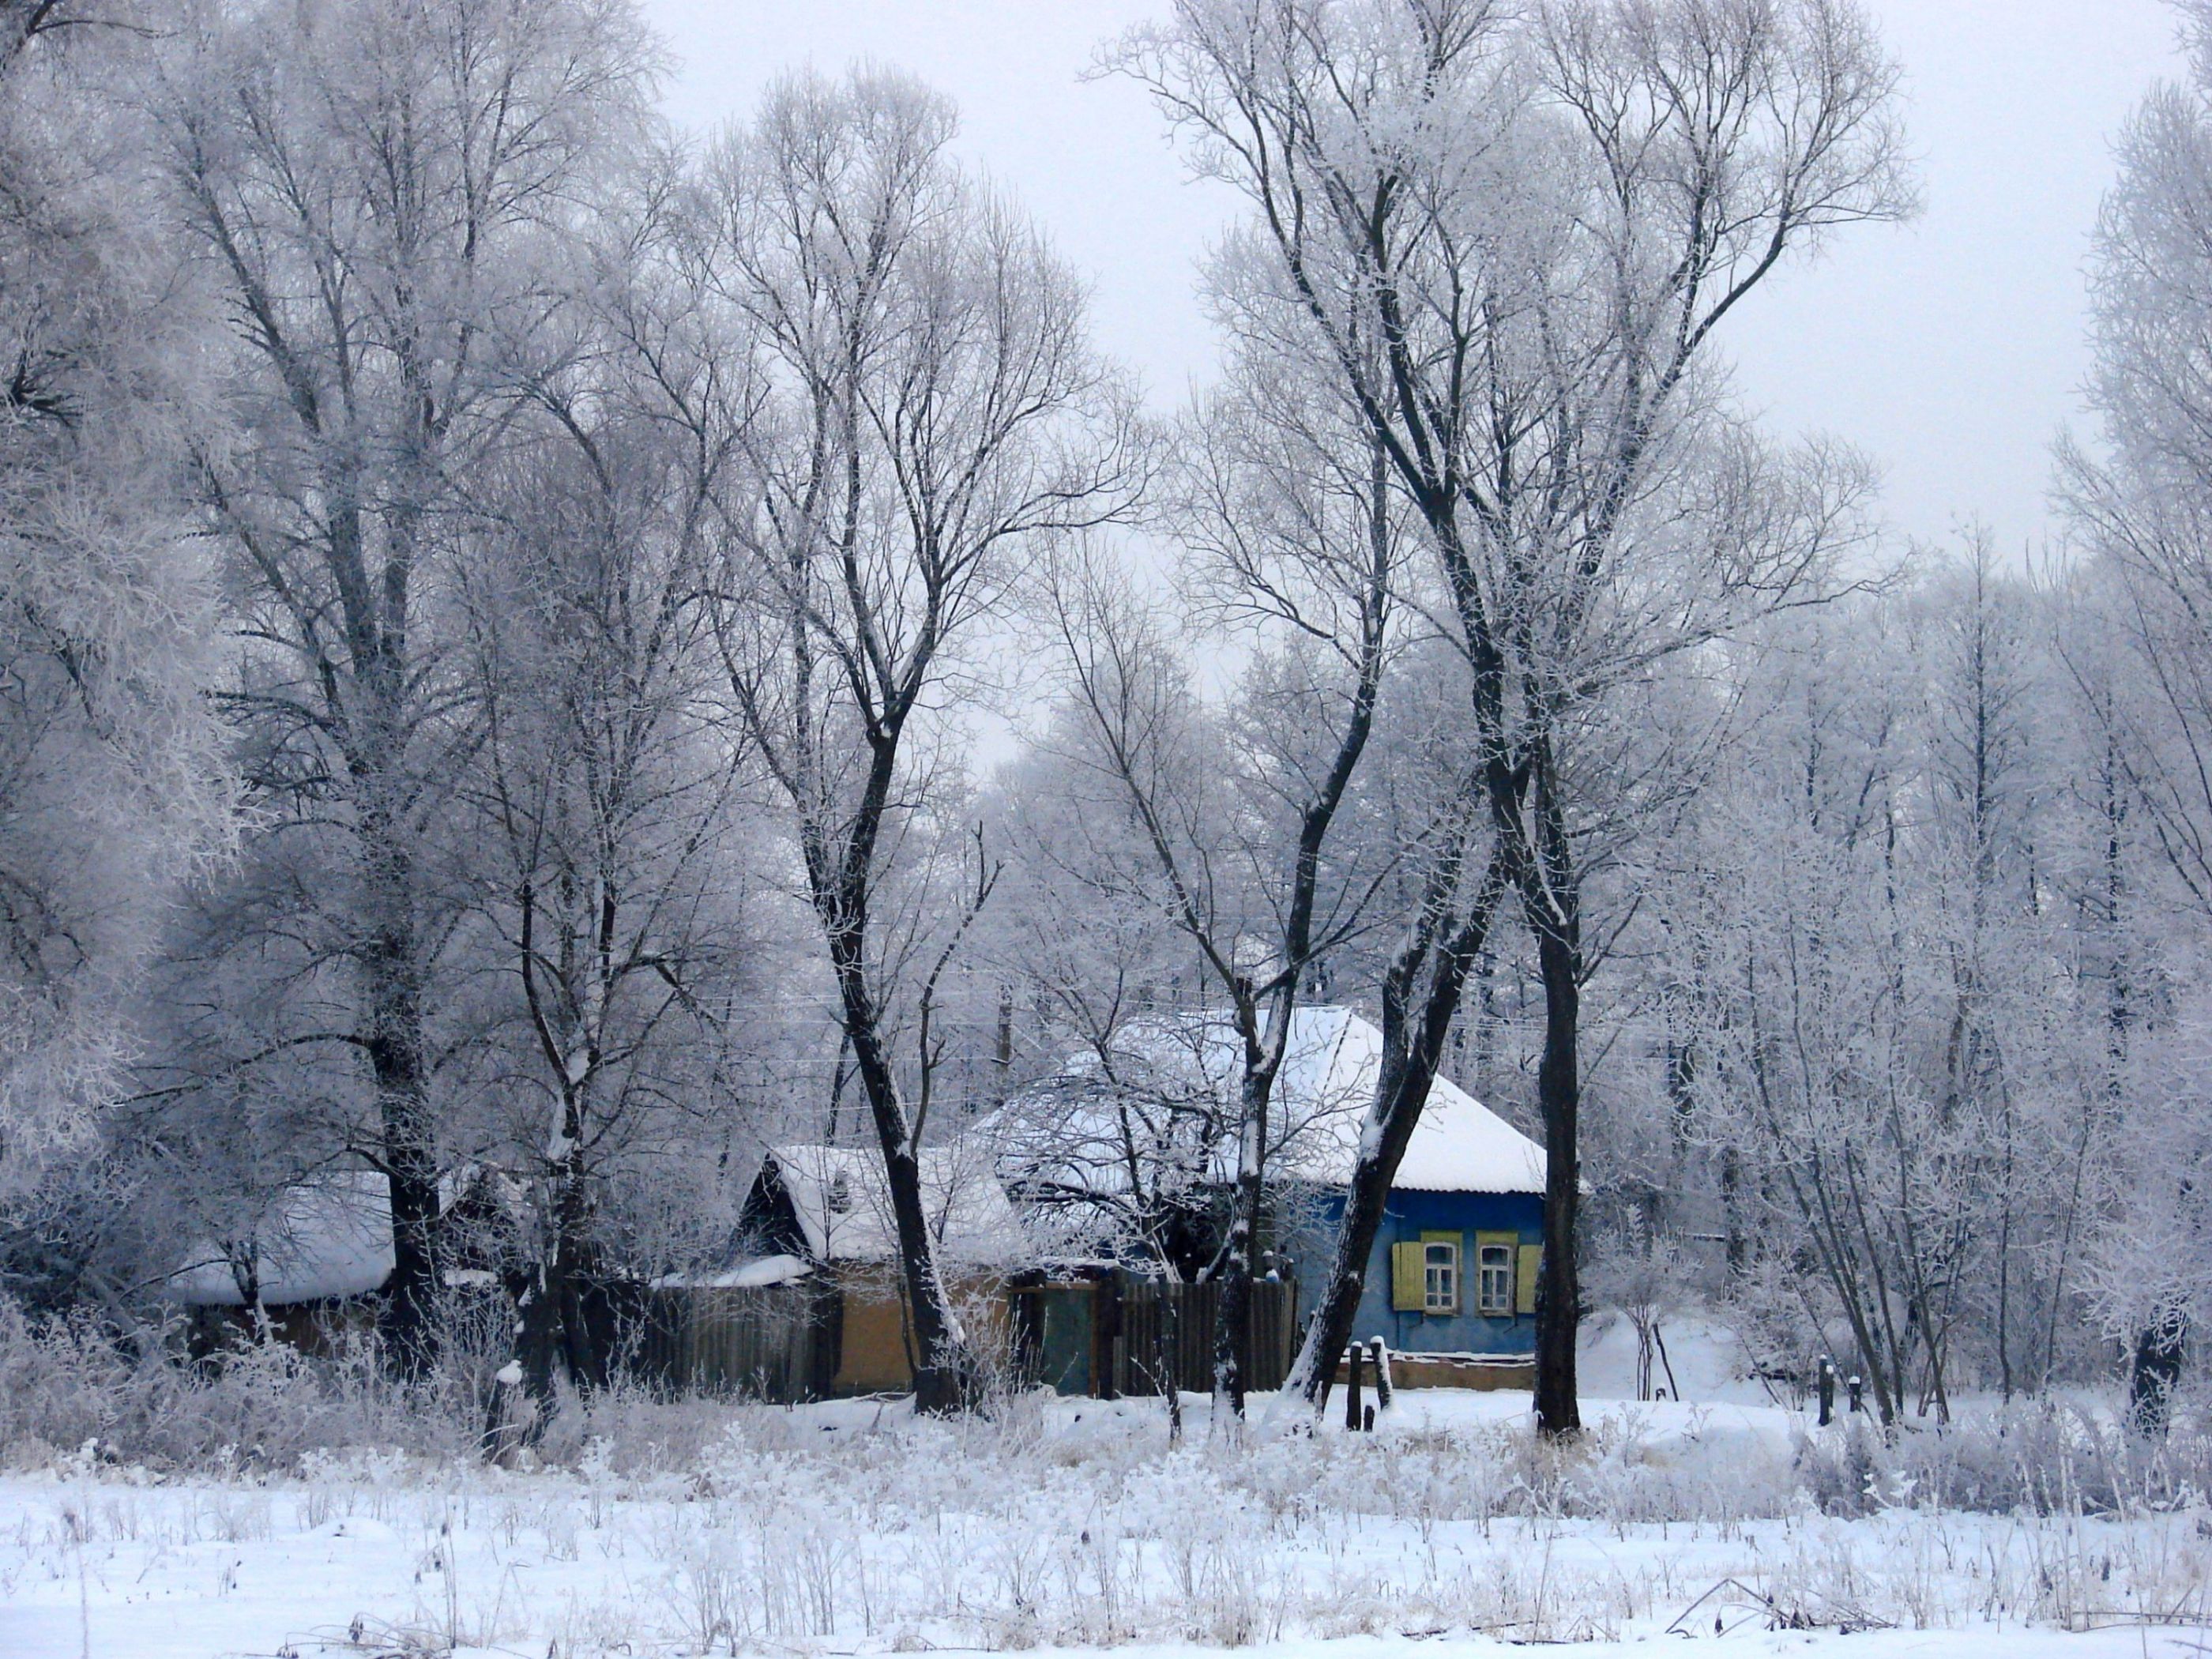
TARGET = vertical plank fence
(1108,1336)
(1116,1334)
(772,1342)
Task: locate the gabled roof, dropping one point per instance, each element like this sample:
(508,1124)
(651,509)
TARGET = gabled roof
(1459,1145)
(745,1276)
(1171,1088)
(841,1202)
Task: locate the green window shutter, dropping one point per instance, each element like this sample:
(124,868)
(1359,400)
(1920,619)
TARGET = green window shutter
(1406,1278)
(1532,1269)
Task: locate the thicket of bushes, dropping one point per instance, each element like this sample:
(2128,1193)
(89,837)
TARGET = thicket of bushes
(70,1390)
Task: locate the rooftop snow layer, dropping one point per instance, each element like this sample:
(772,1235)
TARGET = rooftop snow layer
(328,1237)
(843,1204)
(1172,1085)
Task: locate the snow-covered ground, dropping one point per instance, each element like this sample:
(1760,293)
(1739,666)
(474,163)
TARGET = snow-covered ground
(1704,1361)
(851,1528)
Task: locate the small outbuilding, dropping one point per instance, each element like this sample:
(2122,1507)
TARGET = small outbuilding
(320,1254)
(822,1215)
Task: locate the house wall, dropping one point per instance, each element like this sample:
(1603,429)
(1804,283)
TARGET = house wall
(873,1344)
(1406,1217)
(874,1351)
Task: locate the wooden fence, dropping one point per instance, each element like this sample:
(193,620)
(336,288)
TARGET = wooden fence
(1114,1334)
(772,1342)
(1107,1335)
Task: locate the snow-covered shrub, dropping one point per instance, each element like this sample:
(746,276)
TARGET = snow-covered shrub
(2044,1457)
(1844,1469)
(2053,1457)
(68,1383)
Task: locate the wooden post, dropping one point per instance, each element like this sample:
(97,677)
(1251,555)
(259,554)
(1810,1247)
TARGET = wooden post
(1354,1358)
(1858,1394)
(1105,1333)
(1025,1314)
(1827,1375)
(1169,1356)
(1382,1389)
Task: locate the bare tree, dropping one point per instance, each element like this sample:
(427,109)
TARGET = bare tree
(609,792)
(112,764)
(1888,940)
(933,411)
(1830,1005)
(378,194)
(1512,236)
(2140,509)
(1291,539)
(1983,752)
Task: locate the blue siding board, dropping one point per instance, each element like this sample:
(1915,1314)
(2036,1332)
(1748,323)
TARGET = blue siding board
(1406,1218)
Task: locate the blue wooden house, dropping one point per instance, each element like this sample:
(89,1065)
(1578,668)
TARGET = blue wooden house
(1456,1265)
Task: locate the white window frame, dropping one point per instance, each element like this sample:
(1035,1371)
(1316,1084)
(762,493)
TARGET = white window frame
(1439,1276)
(1493,1280)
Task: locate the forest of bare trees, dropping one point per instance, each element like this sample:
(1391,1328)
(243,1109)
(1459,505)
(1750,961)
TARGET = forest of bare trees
(546,652)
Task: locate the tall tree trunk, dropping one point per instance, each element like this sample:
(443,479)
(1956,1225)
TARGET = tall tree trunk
(548,1331)
(377,617)
(1262,1065)
(555,1326)
(1232,1266)
(2005,1383)
(2155,1369)
(409,1151)
(1559,1094)
(575,1269)
(1233,1310)
(1551,903)
(1736,1252)
(1413,1039)
(949,1375)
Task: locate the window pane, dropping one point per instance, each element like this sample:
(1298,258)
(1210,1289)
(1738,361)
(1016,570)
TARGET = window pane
(1493,1289)
(1439,1277)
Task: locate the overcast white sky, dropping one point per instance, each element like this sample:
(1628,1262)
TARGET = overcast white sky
(1949,350)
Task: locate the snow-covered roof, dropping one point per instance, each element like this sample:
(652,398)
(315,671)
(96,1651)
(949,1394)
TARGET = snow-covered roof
(1168,1095)
(843,1204)
(1459,1145)
(330,1236)
(745,1276)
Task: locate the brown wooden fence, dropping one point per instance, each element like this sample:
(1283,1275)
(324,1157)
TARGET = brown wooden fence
(772,1342)
(1107,1335)
(1114,1334)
